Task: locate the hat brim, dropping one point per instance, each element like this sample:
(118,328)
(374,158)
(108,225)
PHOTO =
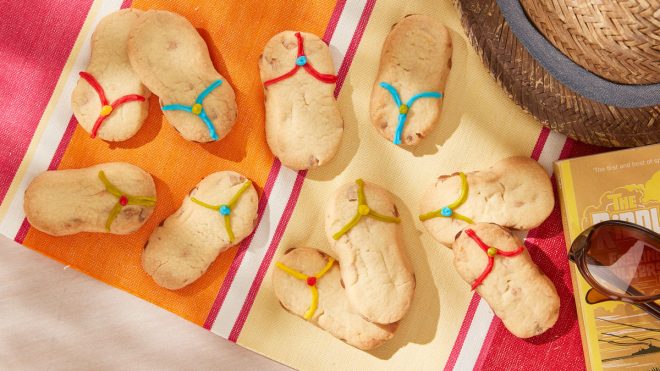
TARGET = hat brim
(537,91)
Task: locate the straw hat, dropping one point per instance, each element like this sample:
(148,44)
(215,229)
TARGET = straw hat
(589,69)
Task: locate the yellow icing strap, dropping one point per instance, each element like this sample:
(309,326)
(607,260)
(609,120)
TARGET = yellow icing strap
(225,209)
(363,210)
(448,211)
(310,281)
(123,200)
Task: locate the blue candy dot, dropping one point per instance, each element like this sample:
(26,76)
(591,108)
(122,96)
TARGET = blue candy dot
(446,212)
(225,210)
(301,61)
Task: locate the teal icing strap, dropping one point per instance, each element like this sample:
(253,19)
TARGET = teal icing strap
(403,108)
(208,91)
(198,109)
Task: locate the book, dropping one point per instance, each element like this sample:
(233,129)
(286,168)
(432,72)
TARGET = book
(623,185)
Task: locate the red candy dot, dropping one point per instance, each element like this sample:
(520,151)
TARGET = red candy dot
(123,200)
(311,281)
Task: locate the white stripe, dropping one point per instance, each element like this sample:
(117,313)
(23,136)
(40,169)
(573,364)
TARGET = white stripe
(237,294)
(483,318)
(245,274)
(54,128)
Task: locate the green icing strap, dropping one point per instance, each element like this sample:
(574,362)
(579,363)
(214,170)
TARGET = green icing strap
(448,211)
(123,200)
(363,210)
(225,209)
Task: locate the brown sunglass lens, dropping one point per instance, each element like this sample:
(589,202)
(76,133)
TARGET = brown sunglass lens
(625,260)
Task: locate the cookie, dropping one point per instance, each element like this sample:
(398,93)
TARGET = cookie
(363,226)
(515,192)
(115,197)
(217,214)
(308,284)
(406,100)
(499,268)
(303,123)
(109,100)
(173,61)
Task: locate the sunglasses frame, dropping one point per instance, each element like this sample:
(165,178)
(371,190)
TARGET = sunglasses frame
(578,254)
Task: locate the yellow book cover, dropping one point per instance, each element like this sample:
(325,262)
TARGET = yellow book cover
(623,185)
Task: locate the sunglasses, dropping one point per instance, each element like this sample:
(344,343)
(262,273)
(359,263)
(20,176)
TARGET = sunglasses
(620,261)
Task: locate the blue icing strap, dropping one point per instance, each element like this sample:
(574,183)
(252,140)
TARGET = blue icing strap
(198,109)
(405,108)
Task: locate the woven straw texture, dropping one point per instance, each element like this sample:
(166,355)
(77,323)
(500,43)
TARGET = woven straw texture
(617,40)
(536,91)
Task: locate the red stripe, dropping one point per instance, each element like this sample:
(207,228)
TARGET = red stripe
(61,148)
(277,236)
(334,19)
(462,333)
(355,42)
(22,231)
(341,75)
(31,65)
(540,143)
(238,259)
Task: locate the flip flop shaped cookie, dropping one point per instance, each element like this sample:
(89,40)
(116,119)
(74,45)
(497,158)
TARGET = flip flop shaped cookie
(114,198)
(109,100)
(497,266)
(363,228)
(515,193)
(217,214)
(173,60)
(406,99)
(308,284)
(303,123)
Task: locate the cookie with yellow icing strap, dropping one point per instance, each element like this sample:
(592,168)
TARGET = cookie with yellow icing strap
(173,61)
(308,284)
(217,214)
(515,192)
(304,126)
(109,100)
(408,93)
(115,197)
(364,230)
(497,265)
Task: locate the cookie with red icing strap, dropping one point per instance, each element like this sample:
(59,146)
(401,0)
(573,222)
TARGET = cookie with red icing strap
(308,284)
(109,100)
(304,126)
(497,265)
(114,197)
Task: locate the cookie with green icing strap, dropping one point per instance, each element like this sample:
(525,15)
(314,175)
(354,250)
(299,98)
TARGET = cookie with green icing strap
(114,197)
(217,214)
(515,192)
(364,230)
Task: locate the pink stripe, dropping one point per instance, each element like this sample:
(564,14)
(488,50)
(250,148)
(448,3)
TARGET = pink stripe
(61,148)
(277,236)
(540,143)
(334,19)
(238,259)
(32,63)
(341,76)
(462,333)
(353,46)
(22,231)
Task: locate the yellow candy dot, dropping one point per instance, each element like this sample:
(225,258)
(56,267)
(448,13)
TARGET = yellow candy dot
(106,110)
(363,210)
(197,108)
(403,109)
(492,251)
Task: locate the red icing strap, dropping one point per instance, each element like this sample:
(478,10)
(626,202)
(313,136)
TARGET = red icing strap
(327,78)
(104,101)
(491,259)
